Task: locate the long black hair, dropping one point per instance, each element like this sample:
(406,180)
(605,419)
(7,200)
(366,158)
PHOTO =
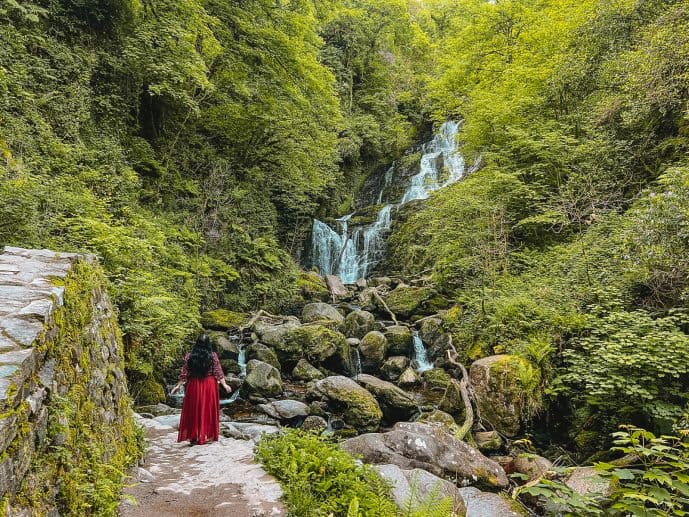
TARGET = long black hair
(200,357)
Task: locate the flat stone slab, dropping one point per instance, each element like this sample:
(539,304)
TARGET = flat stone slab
(15,368)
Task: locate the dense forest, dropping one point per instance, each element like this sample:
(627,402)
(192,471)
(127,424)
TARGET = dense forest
(190,143)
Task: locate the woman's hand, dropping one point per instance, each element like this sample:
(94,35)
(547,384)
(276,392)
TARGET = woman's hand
(226,386)
(176,388)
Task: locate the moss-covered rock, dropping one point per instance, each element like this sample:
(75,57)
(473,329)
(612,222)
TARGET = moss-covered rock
(445,393)
(395,403)
(507,390)
(148,392)
(315,342)
(358,323)
(222,319)
(413,302)
(358,407)
(230,366)
(372,348)
(318,311)
(263,353)
(226,348)
(400,340)
(394,366)
(305,371)
(312,287)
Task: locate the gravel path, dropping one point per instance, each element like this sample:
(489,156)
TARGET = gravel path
(216,479)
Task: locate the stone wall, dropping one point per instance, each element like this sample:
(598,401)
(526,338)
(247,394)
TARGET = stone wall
(66,424)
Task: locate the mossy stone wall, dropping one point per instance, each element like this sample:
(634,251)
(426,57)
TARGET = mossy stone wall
(67,431)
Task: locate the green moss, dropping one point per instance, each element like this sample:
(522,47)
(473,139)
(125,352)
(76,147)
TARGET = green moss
(88,458)
(222,319)
(312,287)
(148,392)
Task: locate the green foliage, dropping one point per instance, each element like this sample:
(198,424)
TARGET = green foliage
(651,479)
(320,479)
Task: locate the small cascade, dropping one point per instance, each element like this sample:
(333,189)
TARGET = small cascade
(440,156)
(420,355)
(357,364)
(354,256)
(241,360)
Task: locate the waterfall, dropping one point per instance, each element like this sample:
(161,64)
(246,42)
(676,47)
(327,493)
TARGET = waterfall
(241,360)
(354,256)
(440,156)
(357,364)
(420,355)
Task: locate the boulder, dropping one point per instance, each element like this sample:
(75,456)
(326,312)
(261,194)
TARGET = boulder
(230,366)
(372,349)
(400,340)
(394,366)
(336,287)
(222,319)
(314,423)
(505,386)
(352,341)
(262,379)
(586,481)
(359,408)
(409,378)
(226,348)
(488,504)
(441,418)
(159,409)
(263,353)
(395,403)
(412,488)
(361,284)
(305,371)
(312,286)
(488,440)
(285,409)
(380,281)
(320,311)
(429,447)
(313,341)
(358,323)
(273,334)
(366,299)
(531,465)
(405,301)
(437,340)
(344,360)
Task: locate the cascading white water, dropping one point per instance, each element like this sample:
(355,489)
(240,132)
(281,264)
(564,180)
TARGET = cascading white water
(357,364)
(420,355)
(354,256)
(439,155)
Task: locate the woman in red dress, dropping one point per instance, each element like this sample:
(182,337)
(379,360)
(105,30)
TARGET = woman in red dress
(200,420)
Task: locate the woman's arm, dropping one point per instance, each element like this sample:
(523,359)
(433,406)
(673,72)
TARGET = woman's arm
(219,375)
(183,375)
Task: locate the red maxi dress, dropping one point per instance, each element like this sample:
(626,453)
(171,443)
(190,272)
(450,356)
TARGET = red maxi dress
(200,420)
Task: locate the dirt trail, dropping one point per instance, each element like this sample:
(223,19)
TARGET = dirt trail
(216,479)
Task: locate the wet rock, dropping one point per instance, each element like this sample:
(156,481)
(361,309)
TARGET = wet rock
(285,409)
(314,423)
(248,430)
(372,349)
(226,348)
(411,488)
(262,379)
(359,408)
(531,465)
(395,403)
(352,341)
(488,440)
(400,340)
(230,366)
(263,353)
(358,323)
(409,377)
(488,504)
(430,447)
(394,366)
(305,371)
(504,385)
(313,312)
